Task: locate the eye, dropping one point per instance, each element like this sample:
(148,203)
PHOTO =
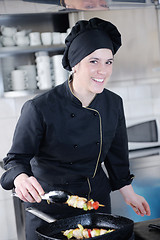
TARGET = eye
(104,5)
(93,61)
(89,7)
(109,62)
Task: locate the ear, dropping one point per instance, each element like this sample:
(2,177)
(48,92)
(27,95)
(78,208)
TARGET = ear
(74,69)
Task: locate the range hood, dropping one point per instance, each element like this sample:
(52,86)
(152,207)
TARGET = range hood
(110,3)
(44,6)
(119,4)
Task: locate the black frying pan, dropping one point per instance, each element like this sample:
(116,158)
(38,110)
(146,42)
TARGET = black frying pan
(122,225)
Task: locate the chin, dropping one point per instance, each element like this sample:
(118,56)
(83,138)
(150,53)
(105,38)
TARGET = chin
(100,90)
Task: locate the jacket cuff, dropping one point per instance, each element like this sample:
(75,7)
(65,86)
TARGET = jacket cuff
(7,179)
(116,185)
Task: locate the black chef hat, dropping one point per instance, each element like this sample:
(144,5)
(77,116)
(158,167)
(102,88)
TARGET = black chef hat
(88,36)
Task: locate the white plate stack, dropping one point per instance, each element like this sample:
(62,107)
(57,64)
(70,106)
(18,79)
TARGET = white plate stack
(44,74)
(60,74)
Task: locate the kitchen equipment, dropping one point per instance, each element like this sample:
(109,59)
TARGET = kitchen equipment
(154,227)
(123,226)
(143,232)
(143,134)
(56,196)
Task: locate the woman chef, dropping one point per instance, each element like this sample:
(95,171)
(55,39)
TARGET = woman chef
(64,135)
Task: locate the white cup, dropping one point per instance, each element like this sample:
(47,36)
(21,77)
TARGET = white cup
(18,80)
(56,38)
(43,59)
(20,33)
(35,38)
(8,31)
(41,53)
(7,41)
(63,37)
(21,40)
(31,75)
(46,38)
(60,74)
(44,79)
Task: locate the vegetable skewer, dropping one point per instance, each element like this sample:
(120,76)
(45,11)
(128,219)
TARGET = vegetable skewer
(83,203)
(82,233)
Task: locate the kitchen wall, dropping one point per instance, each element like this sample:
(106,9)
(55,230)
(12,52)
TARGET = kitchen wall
(136,72)
(136,78)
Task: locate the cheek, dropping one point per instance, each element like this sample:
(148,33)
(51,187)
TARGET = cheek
(110,70)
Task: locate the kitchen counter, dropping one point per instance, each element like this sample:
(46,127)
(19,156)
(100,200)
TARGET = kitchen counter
(143,232)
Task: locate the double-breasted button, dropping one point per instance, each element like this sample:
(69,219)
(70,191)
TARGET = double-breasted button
(75,146)
(72,115)
(95,114)
(97,143)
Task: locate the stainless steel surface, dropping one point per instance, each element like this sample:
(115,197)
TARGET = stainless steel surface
(34,6)
(144,152)
(113,4)
(146,183)
(20,218)
(41,215)
(144,134)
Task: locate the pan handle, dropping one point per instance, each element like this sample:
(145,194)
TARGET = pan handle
(41,215)
(154,226)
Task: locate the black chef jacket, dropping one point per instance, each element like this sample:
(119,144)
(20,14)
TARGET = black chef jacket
(60,142)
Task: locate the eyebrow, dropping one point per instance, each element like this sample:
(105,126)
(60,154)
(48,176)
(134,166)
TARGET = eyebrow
(98,58)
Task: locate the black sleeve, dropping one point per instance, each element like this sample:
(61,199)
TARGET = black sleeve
(26,141)
(117,161)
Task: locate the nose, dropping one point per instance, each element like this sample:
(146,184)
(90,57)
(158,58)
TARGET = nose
(103,69)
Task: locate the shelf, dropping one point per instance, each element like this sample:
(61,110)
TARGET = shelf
(8,51)
(23,93)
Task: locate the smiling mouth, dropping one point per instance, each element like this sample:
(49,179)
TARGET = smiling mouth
(100,80)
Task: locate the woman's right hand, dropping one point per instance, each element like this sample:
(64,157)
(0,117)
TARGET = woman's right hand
(28,188)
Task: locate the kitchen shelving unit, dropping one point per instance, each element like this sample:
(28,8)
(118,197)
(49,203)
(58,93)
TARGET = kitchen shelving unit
(12,57)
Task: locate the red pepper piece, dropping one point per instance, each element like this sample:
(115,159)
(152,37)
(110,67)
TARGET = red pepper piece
(96,205)
(89,233)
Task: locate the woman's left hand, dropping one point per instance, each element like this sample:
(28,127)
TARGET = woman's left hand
(137,202)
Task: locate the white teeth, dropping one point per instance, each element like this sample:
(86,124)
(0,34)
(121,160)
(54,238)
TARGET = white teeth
(98,80)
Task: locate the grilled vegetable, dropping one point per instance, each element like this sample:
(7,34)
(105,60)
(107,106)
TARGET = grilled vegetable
(83,203)
(82,233)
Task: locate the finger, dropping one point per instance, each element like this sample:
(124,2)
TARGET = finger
(20,195)
(37,186)
(34,189)
(34,194)
(27,195)
(136,209)
(147,208)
